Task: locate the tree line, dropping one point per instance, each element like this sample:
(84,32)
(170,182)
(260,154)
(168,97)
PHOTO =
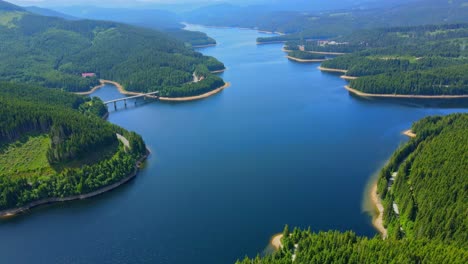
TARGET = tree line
(75,130)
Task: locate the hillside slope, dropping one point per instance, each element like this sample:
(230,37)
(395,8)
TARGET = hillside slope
(54,53)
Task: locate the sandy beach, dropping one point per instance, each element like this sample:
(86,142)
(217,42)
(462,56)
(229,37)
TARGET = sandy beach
(167,99)
(103,83)
(348,78)
(305,60)
(276,241)
(331,70)
(377,221)
(219,71)
(95,88)
(193,98)
(409,133)
(362,94)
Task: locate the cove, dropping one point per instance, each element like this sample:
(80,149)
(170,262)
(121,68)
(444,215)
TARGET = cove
(285,144)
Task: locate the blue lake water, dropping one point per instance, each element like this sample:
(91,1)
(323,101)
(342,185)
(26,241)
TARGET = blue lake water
(285,144)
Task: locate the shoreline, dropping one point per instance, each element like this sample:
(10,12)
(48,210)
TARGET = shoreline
(305,60)
(219,71)
(196,97)
(409,133)
(348,78)
(23,209)
(271,42)
(204,46)
(331,70)
(276,241)
(377,220)
(104,83)
(409,96)
(164,99)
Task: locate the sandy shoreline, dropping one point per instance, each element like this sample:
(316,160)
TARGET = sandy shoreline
(362,94)
(271,42)
(219,71)
(377,220)
(305,60)
(25,208)
(331,70)
(166,99)
(103,83)
(348,78)
(409,133)
(276,241)
(197,97)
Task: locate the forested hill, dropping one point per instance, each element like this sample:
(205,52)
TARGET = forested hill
(54,52)
(312,24)
(341,22)
(423,60)
(424,188)
(161,20)
(54,144)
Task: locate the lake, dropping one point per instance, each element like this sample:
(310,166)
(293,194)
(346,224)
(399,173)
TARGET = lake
(285,144)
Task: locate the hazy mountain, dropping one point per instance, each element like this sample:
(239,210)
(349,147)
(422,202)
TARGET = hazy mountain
(48,12)
(153,18)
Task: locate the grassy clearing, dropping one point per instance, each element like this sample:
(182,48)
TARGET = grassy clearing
(26,157)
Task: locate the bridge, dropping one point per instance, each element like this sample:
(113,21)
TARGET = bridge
(154,95)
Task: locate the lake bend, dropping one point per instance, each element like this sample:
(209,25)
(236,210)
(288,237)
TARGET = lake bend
(284,144)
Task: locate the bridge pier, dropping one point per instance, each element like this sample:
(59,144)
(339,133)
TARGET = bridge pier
(115,105)
(125,102)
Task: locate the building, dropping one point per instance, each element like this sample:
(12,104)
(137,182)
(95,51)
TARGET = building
(88,74)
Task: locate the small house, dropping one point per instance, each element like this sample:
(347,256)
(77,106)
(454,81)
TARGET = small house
(88,74)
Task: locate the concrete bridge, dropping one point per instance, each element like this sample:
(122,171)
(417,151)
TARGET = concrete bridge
(153,95)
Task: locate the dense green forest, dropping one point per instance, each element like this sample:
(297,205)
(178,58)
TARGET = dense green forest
(53,52)
(337,247)
(305,55)
(330,24)
(429,184)
(56,144)
(160,20)
(421,60)
(429,189)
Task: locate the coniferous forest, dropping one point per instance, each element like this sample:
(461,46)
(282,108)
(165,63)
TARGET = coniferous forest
(422,60)
(54,53)
(54,144)
(426,179)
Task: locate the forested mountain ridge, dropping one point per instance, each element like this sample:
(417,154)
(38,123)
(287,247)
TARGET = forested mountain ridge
(310,24)
(54,52)
(424,191)
(160,20)
(54,144)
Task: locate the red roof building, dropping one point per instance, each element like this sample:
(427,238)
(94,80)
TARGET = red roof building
(88,74)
